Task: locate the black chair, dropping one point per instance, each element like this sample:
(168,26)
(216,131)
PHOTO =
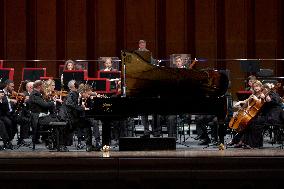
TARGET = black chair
(265,75)
(276,133)
(52,132)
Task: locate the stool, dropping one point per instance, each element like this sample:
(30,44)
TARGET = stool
(57,126)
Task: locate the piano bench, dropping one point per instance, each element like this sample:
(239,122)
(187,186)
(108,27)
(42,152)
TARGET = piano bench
(57,126)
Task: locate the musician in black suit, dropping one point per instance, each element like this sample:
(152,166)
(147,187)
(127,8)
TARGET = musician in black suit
(74,114)
(202,121)
(179,62)
(25,116)
(5,122)
(42,113)
(156,127)
(86,97)
(11,114)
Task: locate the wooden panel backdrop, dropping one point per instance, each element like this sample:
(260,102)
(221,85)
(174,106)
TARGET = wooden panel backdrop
(88,29)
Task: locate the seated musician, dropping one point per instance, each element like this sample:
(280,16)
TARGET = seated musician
(42,112)
(86,96)
(73,113)
(50,93)
(69,65)
(179,62)
(255,88)
(269,114)
(25,116)
(251,80)
(142,45)
(156,128)
(108,65)
(11,115)
(202,121)
(5,122)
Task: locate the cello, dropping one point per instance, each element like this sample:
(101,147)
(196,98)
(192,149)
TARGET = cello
(247,112)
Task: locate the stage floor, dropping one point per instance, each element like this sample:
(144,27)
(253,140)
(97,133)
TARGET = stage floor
(188,148)
(190,165)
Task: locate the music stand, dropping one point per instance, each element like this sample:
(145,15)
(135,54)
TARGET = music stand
(109,74)
(78,75)
(6,73)
(58,85)
(33,74)
(100,85)
(250,66)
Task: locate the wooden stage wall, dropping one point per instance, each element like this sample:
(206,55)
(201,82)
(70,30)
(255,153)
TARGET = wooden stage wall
(87,29)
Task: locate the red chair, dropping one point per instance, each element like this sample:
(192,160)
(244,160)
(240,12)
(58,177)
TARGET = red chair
(33,74)
(45,78)
(6,73)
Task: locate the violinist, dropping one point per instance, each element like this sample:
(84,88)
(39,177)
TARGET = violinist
(25,116)
(50,93)
(42,113)
(11,116)
(5,122)
(269,114)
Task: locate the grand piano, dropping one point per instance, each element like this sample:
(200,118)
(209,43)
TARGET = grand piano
(151,89)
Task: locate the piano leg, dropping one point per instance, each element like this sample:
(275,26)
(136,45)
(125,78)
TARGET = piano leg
(221,133)
(106,132)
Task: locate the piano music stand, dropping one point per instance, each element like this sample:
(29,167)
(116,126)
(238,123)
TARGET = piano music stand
(145,55)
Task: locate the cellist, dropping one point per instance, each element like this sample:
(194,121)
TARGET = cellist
(269,114)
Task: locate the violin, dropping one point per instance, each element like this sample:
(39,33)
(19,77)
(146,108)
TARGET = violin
(20,97)
(59,93)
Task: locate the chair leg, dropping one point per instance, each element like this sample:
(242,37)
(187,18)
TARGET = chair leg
(34,137)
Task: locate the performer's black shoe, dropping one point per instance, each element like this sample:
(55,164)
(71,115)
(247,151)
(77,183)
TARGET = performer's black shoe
(80,146)
(21,142)
(145,136)
(239,145)
(231,143)
(90,148)
(63,148)
(205,142)
(8,145)
(98,146)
